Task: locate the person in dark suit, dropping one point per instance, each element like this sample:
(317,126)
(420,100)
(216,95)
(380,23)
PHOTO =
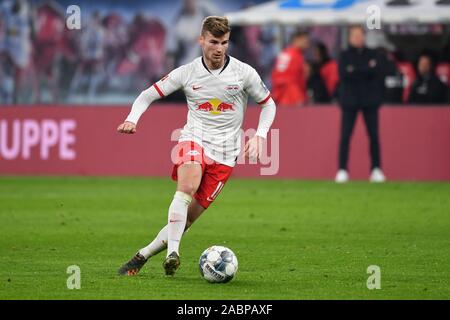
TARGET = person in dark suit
(427,88)
(361,89)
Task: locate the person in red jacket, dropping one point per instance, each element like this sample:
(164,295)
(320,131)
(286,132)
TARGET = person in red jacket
(288,75)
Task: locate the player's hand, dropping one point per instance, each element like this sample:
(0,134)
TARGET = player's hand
(127,127)
(253,148)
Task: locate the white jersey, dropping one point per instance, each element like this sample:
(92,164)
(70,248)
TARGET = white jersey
(217,101)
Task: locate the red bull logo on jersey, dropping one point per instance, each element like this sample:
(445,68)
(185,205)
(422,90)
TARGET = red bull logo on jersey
(215,106)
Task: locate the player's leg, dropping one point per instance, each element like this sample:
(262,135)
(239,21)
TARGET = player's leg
(214,179)
(159,244)
(210,184)
(371,120)
(189,178)
(347,125)
(187,172)
(194,212)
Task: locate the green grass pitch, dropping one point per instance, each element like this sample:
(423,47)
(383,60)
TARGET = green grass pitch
(293,239)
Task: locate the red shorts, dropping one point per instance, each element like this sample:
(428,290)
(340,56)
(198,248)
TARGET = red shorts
(214,174)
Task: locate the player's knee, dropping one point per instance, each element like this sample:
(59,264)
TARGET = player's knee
(188,188)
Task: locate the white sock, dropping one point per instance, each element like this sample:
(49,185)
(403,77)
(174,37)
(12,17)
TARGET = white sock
(177,220)
(157,245)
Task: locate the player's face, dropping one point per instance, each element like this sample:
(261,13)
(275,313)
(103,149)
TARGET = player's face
(214,48)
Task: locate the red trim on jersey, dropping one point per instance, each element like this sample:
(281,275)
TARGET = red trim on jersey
(265,100)
(159,90)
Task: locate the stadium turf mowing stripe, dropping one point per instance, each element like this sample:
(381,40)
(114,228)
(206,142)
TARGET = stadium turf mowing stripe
(293,239)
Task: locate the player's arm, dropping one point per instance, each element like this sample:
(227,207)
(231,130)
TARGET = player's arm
(259,92)
(142,102)
(160,89)
(253,147)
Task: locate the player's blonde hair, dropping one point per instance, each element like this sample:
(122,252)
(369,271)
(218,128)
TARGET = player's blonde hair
(217,26)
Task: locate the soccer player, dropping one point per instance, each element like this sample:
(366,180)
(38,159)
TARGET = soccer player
(217,87)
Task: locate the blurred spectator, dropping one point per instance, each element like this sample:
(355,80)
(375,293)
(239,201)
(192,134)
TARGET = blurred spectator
(90,68)
(246,45)
(48,45)
(406,68)
(317,91)
(15,49)
(288,75)
(328,35)
(361,89)
(393,78)
(144,61)
(443,72)
(3,83)
(427,88)
(182,43)
(326,67)
(269,51)
(116,38)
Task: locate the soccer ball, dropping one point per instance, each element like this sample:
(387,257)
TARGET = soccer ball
(218,264)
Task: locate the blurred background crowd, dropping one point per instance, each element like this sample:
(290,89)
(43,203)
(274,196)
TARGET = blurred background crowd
(122,47)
